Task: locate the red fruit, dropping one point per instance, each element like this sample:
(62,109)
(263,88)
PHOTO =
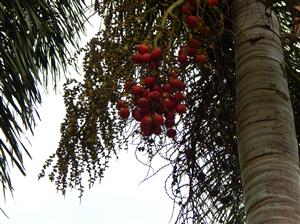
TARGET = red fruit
(149,81)
(154,64)
(212,2)
(186,9)
(183,58)
(169,115)
(137,58)
(176,83)
(156,129)
(193,21)
(178,96)
(169,104)
(171,133)
(142,102)
(146,130)
(154,96)
(156,88)
(146,120)
(146,110)
(146,58)
(158,119)
(156,53)
(181,108)
(124,113)
(194,43)
(172,75)
(169,123)
(166,87)
(137,90)
(137,114)
(120,104)
(201,59)
(142,48)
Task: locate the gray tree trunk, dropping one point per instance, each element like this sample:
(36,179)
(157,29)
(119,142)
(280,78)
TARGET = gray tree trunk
(268,150)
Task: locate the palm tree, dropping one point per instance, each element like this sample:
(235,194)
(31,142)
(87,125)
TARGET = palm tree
(34,41)
(267,144)
(206,179)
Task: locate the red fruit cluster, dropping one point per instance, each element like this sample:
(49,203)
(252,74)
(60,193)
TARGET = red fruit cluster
(144,55)
(192,50)
(155,100)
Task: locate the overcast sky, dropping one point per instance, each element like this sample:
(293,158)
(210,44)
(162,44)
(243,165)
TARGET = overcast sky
(118,199)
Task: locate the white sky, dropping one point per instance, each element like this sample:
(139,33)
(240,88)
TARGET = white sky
(118,199)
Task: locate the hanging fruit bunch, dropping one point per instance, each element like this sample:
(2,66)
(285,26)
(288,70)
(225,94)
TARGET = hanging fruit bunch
(157,97)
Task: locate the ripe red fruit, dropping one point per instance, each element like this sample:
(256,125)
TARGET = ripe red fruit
(166,87)
(169,115)
(154,96)
(156,87)
(146,129)
(137,90)
(171,133)
(178,96)
(169,104)
(194,43)
(146,120)
(142,102)
(146,58)
(137,114)
(158,119)
(169,123)
(176,83)
(120,104)
(156,129)
(124,113)
(193,21)
(212,2)
(181,108)
(137,58)
(149,81)
(201,59)
(186,9)
(183,58)
(156,53)
(142,48)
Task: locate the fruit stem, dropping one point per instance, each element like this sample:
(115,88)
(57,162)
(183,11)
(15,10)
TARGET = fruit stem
(164,19)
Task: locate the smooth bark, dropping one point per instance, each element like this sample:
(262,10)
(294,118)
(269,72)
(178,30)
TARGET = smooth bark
(268,150)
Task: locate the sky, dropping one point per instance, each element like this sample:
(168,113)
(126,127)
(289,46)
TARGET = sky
(119,198)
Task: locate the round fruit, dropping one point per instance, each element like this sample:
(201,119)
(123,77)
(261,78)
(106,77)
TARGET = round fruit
(124,113)
(194,43)
(154,96)
(146,120)
(169,104)
(146,58)
(156,53)
(142,48)
(183,58)
(178,96)
(142,102)
(176,83)
(149,81)
(169,123)
(171,133)
(169,115)
(201,59)
(181,108)
(212,2)
(137,58)
(137,115)
(120,104)
(193,21)
(156,87)
(166,87)
(186,9)
(158,119)
(157,129)
(137,90)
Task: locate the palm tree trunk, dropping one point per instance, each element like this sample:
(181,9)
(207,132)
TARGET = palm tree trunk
(268,150)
